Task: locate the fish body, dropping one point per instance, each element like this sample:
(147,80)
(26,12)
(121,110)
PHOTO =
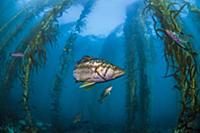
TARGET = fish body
(17,55)
(93,71)
(104,94)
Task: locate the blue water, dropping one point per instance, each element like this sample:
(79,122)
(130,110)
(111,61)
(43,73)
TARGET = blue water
(109,30)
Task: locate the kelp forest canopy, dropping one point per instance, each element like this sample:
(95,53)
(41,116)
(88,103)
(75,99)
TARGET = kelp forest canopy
(34,30)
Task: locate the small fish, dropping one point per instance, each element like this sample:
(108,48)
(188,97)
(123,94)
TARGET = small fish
(180,39)
(17,55)
(173,36)
(90,71)
(104,94)
(77,118)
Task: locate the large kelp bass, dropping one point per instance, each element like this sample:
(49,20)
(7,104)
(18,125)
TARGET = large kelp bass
(90,71)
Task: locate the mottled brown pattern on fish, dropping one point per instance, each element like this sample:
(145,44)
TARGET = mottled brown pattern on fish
(106,70)
(88,64)
(92,70)
(99,70)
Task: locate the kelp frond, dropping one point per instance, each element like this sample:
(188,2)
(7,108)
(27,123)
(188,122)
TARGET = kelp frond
(131,81)
(25,96)
(179,56)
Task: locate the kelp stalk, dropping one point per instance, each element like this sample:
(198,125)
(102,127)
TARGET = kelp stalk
(143,80)
(131,98)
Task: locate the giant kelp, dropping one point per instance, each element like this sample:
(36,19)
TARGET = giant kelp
(34,50)
(13,63)
(137,99)
(180,57)
(144,89)
(65,59)
(131,99)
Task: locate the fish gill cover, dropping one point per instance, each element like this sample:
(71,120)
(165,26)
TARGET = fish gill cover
(139,68)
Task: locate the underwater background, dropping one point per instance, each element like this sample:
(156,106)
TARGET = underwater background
(156,43)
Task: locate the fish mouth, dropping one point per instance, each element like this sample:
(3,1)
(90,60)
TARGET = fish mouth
(119,73)
(122,72)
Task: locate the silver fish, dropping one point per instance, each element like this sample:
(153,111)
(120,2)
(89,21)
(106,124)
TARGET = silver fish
(17,55)
(91,71)
(104,94)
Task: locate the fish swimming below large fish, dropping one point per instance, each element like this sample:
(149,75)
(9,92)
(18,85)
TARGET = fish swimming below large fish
(91,70)
(104,94)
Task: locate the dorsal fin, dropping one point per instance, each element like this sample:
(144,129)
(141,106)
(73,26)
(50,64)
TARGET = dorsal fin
(86,58)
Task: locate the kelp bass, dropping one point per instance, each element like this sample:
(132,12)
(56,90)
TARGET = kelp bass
(91,71)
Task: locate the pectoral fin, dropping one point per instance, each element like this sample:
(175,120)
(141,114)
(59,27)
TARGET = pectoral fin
(87,84)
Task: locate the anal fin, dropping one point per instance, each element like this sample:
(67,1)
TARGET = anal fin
(87,84)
